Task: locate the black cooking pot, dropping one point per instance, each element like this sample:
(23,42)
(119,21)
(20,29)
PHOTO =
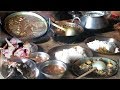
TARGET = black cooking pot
(59,35)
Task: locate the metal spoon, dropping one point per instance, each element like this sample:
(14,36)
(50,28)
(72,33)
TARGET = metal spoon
(99,65)
(68,32)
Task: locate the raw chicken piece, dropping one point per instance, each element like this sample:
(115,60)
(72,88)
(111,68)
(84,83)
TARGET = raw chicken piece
(24,51)
(21,52)
(28,47)
(14,41)
(9,51)
(15,50)
(9,43)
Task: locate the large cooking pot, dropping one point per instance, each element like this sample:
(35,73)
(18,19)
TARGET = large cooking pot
(26,25)
(93,19)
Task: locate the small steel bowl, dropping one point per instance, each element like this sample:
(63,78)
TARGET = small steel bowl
(39,57)
(102,38)
(53,62)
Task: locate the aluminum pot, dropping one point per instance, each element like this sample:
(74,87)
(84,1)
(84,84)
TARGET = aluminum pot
(93,19)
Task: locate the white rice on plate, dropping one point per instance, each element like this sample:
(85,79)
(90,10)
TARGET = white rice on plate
(73,53)
(96,44)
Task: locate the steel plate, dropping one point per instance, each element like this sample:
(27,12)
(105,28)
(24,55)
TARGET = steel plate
(102,38)
(52,51)
(77,71)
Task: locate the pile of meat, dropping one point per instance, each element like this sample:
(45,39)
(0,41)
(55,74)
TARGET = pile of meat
(17,48)
(14,50)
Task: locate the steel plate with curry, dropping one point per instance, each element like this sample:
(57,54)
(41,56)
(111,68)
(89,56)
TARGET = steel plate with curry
(85,64)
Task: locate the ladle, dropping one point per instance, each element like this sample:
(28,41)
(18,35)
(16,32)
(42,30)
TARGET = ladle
(99,65)
(68,32)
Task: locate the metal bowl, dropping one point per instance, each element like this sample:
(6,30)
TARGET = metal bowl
(102,38)
(39,57)
(53,62)
(34,25)
(76,70)
(33,70)
(52,51)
